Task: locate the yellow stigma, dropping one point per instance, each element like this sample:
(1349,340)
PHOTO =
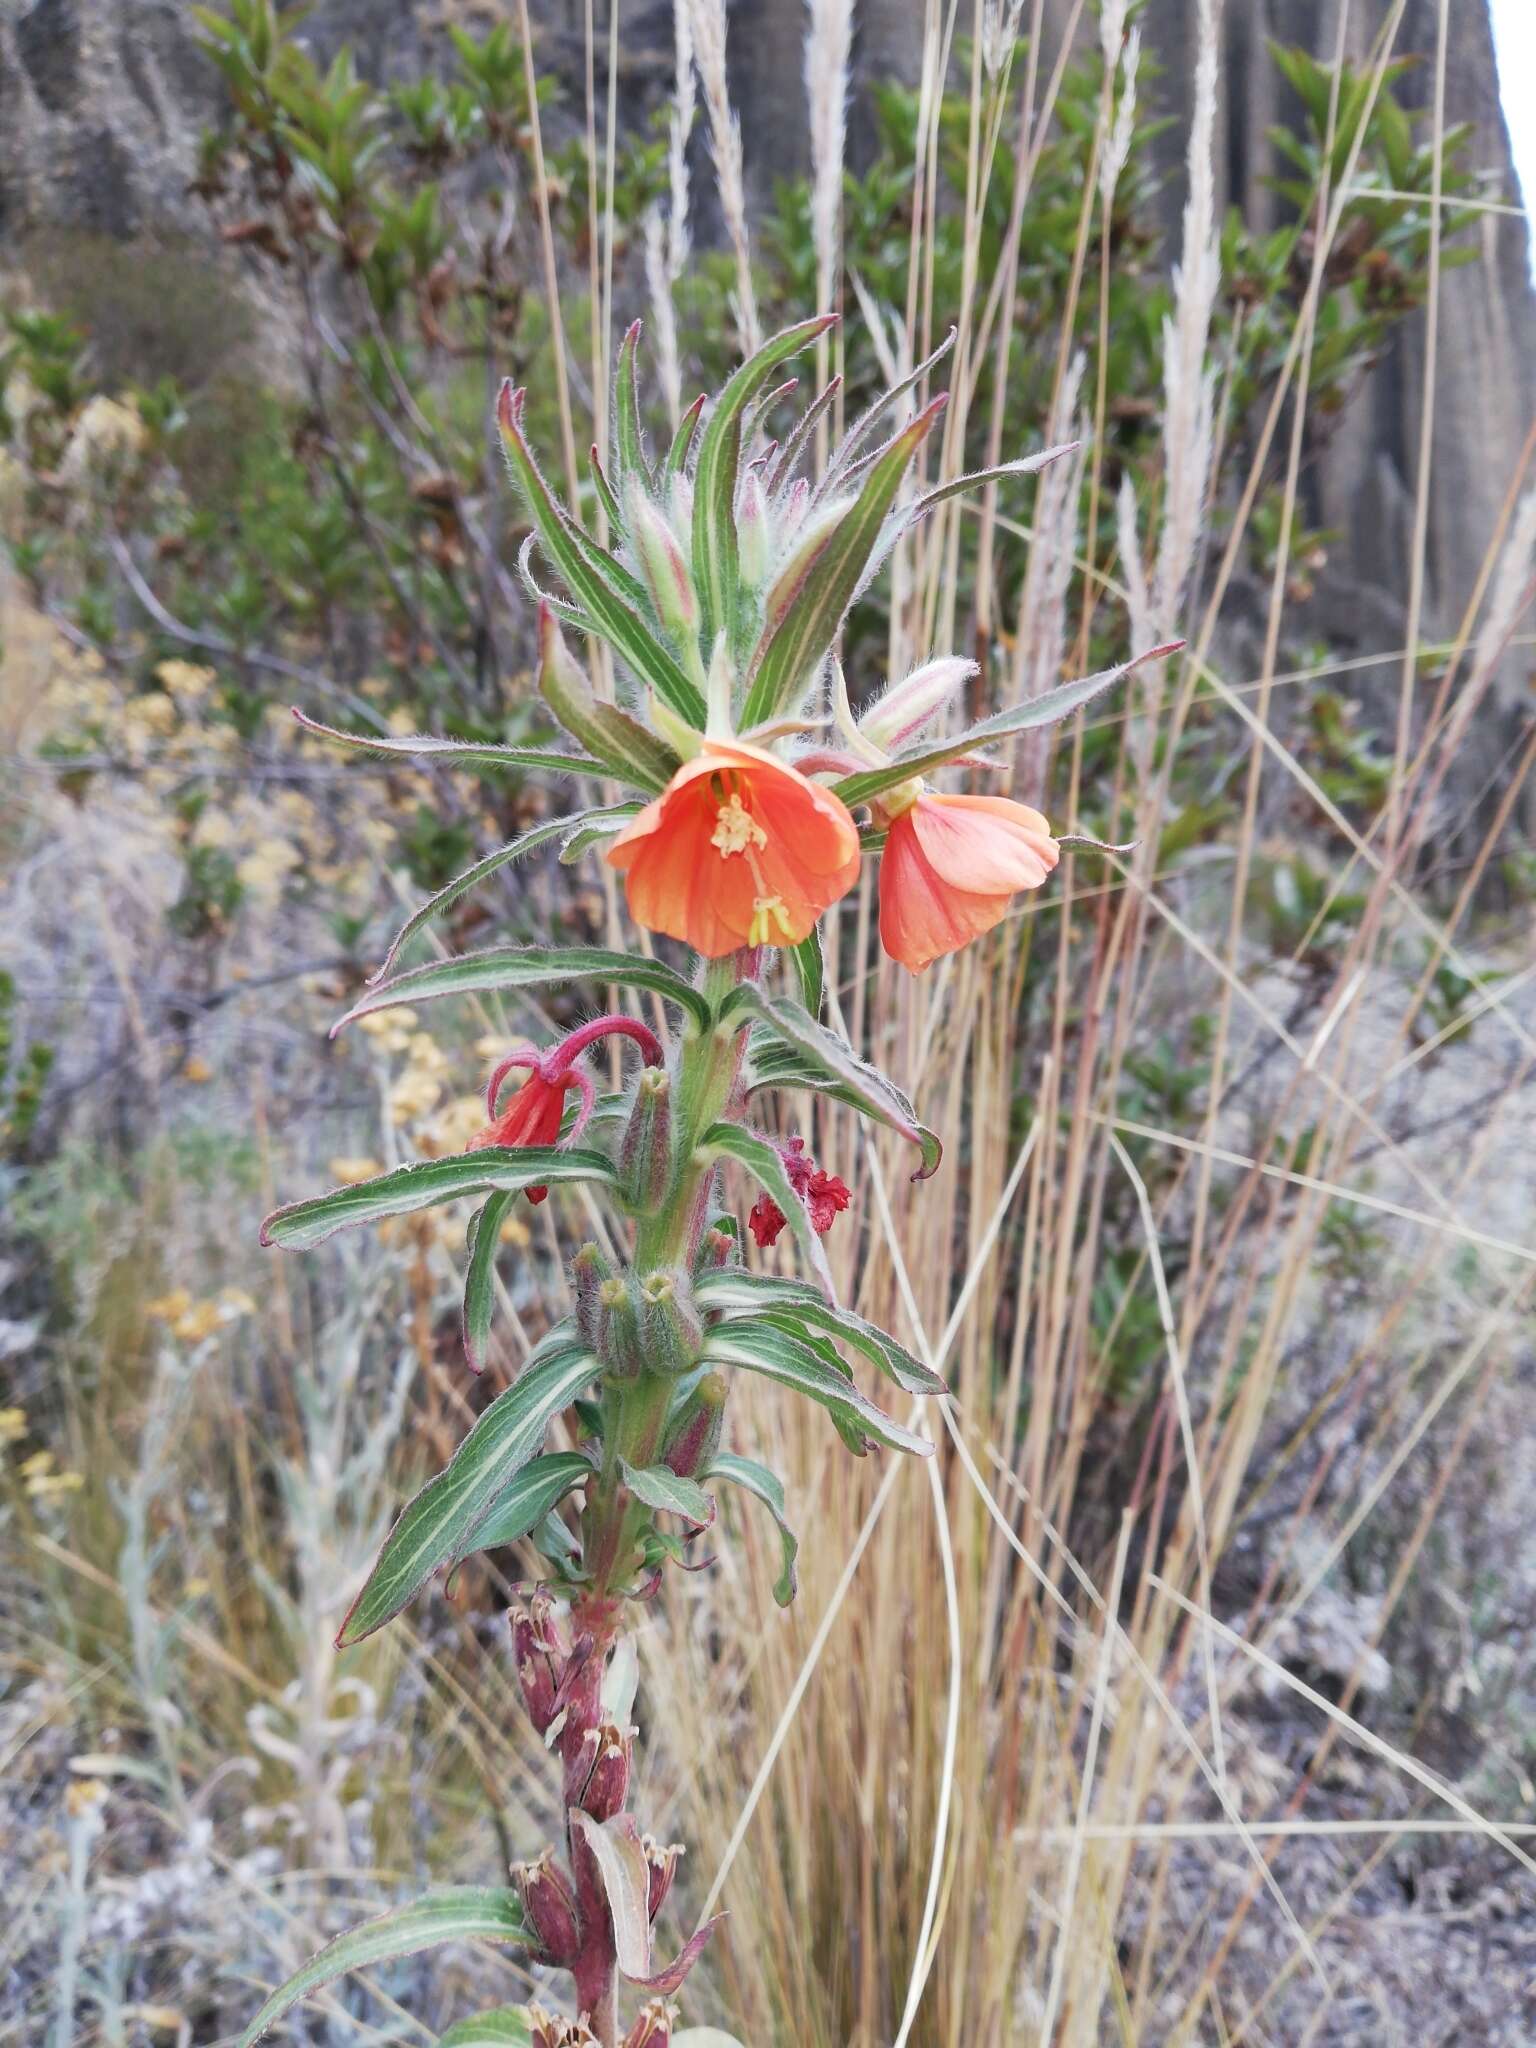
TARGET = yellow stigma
(736,829)
(769,917)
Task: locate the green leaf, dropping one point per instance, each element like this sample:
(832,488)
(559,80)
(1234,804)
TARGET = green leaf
(536,1492)
(810,970)
(795,643)
(822,1049)
(595,830)
(302,1225)
(959,486)
(1048,709)
(630,445)
(715,568)
(765,1486)
(779,1356)
(764,1162)
(506,2027)
(502,968)
(661,1488)
(767,1294)
(466,1913)
(614,617)
(480,1276)
(682,440)
(454,753)
(858,433)
(442,1523)
(528,842)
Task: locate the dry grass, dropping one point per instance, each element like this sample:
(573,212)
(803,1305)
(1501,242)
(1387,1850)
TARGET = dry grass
(1074,1736)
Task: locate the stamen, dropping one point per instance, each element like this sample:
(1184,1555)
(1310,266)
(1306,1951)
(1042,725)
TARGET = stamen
(736,829)
(769,916)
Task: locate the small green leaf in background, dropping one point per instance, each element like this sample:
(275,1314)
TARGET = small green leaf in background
(660,1487)
(506,2027)
(765,1486)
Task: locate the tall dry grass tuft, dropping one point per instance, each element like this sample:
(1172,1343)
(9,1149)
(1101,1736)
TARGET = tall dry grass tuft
(668,238)
(828,45)
(708,20)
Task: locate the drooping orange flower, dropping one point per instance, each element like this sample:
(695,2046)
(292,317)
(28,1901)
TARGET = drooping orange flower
(740,849)
(950,868)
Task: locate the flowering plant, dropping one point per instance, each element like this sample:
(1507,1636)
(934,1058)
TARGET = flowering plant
(722,599)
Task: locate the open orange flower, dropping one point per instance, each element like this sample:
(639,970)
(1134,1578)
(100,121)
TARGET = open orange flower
(950,866)
(739,849)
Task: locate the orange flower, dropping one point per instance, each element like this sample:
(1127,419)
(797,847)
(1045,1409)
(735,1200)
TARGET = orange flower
(950,866)
(739,849)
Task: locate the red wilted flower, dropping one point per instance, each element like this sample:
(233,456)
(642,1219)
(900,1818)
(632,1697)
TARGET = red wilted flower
(951,866)
(535,1113)
(824,1195)
(740,849)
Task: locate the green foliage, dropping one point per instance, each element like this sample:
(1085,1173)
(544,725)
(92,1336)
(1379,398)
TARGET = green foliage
(23,1076)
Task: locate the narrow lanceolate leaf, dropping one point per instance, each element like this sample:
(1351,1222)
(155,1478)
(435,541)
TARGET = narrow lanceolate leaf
(715,568)
(1048,709)
(627,748)
(614,615)
(733,1291)
(794,647)
(810,971)
(480,1276)
(594,830)
(527,967)
(859,432)
(682,440)
(442,1523)
(660,1487)
(765,1486)
(302,1225)
(626,1880)
(670,1977)
(779,1356)
(454,753)
(764,1162)
(958,486)
(815,1045)
(609,817)
(536,1492)
(467,1913)
(507,2027)
(628,442)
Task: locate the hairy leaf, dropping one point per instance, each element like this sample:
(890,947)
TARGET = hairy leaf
(506,2027)
(302,1225)
(818,1046)
(454,753)
(1048,709)
(765,1486)
(466,1913)
(660,1487)
(442,1523)
(484,1237)
(764,1162)
(779,1356)
(527,967)
(794,646)
(715,566)
(734,1290)
(536,1491)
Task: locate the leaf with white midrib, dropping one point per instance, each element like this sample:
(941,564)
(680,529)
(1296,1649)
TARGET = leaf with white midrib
(500,968)
(300,1226)
(467,1913)
(661,1488)
(440,1524)
(766,1487)
(778,1356)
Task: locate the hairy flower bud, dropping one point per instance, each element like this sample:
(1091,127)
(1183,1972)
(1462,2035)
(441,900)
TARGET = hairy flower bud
(589,1269)
(671,1328)
(661,1860)
(695,1435)
(718,1249)
(653,2027)
(752,530)
(645,1155)
(623,1353)
(550,1905)
(607,1785)
(663,564)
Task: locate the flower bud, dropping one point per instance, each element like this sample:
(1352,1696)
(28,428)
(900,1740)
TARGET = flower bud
(752,531)
(663,564)
(550,1905)
(623,1352)
(661,1860)
(589,1269)
(579,1748)
(653,2027)
(645,1154)
(908,706)
(788,585)
(671,1329)
(695,1435)
(718,1249)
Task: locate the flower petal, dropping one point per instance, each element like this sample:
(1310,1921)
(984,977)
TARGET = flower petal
(921,916)
(985,845)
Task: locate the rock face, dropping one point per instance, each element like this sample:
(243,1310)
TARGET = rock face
(102,101)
